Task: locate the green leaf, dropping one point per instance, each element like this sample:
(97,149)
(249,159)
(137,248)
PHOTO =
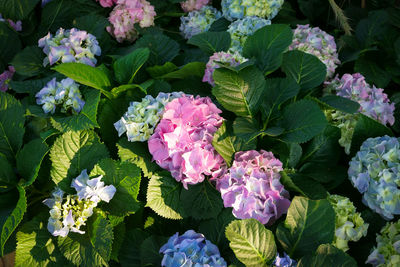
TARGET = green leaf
(201,201)
(162,48)
(91,249)
(125,87)
(71,153)
(119,236)
(158,71)
(308,224)
(29,62)
(267,44)
(84,120)
(373,73)
(304,185)
(220,25)
(125,176)
(7,175)
(10,44)
(137,153)
(29,159)
(245,128)
(150,250)
(163,196)
(190,69)
(324,173)
(11,125)
(239,92)
(370,29)
(302,121)
(11,214)
(85,74)
(126,67)
(252,243)
(340,103)
(327,255)
(211,42)
(306,69)
(36,247)
(129,255)
(32,86)
(17,9)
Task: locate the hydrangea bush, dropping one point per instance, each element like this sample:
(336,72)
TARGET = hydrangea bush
(199,133)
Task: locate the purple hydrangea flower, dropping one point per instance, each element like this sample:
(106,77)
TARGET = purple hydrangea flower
(5,78)
(284,261)
(198,21)
(252,187)
(191,249)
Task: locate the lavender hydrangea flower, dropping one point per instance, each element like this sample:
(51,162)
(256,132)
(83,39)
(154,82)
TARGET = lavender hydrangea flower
(64,93)
(375,172)
(239,9)
(252,187)
(242,28)
(191,249)
(198,21)
(233,60)
(284,261)
(318,43)
(17,26)
(192,5)
(142,117)
(6,77)
(70,46)
(374,103)
(387,251)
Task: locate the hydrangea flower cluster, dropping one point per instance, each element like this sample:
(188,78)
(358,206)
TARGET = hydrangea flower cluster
(198,21)
(17,26)
(6,77)
(349,224)
(192,5)
(64,93)
(126,14)
(69,214)
(318,43)
(375,172)
(242,28)
(191,249)
(142,117)
(252,187)
(107,3)
(239,9)
(387,251)
(182,141)
(374,103)
(70,46)
(284,261)
(232,59)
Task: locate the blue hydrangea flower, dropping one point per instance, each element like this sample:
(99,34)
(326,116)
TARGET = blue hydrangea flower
(198,21)
(375,172)
(242,28)
(191,249)
(239,9)
(284,261)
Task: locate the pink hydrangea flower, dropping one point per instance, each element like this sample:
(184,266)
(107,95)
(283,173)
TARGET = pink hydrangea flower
(5,78)
(182,141)
(232,59)
(107,3)
(192,5)
(252,187)
(126,14)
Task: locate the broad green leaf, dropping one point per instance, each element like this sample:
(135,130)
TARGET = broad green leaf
(252,243)
(373,73)
(190,69)
(71,153)
(370,29)
(219,25)
(85,74)
(340,103)
(29,62)
(85,119)
(163,196)
(36,247)
(239,92)
(11,213)
(10,44)
(245,128)
(302,121)
(211,42)
(327,255)
(32,86)
(267,44)
(91,249)
(119,232)
(162,48)
(150,250)
(158,71)
(29,159)
(313,9)
(126,67)
(308,224)
(137,153)
(306,69)
(126,87)
(129,255)
(17,9)
(201,201)
(7,175)
(304,185)
(125,176)
(11,125)
(324,173)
